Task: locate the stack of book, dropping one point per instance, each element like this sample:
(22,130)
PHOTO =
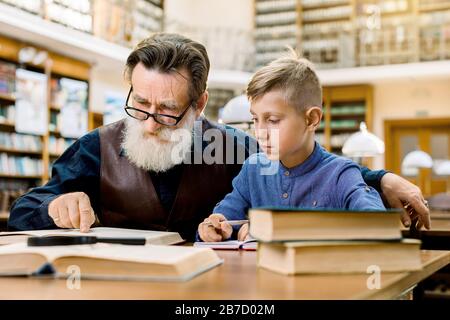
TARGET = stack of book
(329,241)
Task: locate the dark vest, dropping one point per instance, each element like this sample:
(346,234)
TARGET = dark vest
(128,197)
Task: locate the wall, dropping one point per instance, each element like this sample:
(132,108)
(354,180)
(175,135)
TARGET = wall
(408,99)
(102,81)
(224,27)
(211,13)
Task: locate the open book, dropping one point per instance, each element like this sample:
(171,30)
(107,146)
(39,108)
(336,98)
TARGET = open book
(250,244)
(152,237)
(108,261)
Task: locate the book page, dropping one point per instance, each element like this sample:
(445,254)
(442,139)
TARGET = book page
(153,237)
(144,254)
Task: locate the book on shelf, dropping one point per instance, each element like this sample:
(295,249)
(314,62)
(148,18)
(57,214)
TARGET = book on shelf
(23,166)
(249,245)
(7,78)
(152,237)
(72,121)
(20,142)
(286,224)
(7,114)
(57,146)
(314,257)
(108,261)
(31,102)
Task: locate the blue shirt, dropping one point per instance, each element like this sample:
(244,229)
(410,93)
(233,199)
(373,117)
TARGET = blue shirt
(324,180)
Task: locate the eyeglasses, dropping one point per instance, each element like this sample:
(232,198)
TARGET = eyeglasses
(164,119)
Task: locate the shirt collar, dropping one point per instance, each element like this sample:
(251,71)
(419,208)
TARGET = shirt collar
(306,166)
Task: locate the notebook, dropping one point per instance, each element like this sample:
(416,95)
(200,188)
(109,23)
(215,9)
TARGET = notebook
(250,245)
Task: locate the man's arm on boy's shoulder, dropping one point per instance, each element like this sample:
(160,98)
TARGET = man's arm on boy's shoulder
(353,193)
(78,169)
(373,177)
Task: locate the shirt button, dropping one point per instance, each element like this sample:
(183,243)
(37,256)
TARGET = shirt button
(367,189)
(285,195)
(286,173)
(314,203)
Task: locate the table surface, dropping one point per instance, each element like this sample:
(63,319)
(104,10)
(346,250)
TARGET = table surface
(237,278)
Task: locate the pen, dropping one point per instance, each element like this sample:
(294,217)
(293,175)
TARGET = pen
(232,222)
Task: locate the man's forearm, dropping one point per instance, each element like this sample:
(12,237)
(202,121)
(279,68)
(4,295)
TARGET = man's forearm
(30,212)
(373,177)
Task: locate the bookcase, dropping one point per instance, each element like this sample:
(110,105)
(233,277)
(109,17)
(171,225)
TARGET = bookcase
(122,22)
(345,107)
(434,29)
(349,33)
(26,158)
(327,36)
(388,32)
(276,25)
(95,120)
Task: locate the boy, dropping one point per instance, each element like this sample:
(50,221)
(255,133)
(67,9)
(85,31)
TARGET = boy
(286,99)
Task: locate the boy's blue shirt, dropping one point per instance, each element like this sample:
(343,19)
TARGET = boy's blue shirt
(324,180)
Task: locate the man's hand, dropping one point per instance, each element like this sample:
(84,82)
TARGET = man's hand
(72,210)
(399,193)
(215,228)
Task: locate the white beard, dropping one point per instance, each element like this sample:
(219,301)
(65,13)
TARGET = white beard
(149,153)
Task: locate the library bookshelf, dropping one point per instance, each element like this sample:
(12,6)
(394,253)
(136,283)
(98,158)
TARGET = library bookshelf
(26,159)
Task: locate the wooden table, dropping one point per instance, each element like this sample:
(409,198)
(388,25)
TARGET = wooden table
(236,278)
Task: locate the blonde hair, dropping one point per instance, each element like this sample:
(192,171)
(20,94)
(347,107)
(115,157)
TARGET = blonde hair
(291,74)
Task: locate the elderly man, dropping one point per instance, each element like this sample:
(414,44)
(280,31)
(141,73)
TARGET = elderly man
(135,174)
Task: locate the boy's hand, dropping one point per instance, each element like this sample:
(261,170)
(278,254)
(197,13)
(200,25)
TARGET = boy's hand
(215,228)
(243,232)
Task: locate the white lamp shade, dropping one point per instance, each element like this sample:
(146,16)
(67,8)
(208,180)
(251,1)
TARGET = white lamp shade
(40,57)
(417,159)
(363,144)
(237,110)
(443,168)
(26,54)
